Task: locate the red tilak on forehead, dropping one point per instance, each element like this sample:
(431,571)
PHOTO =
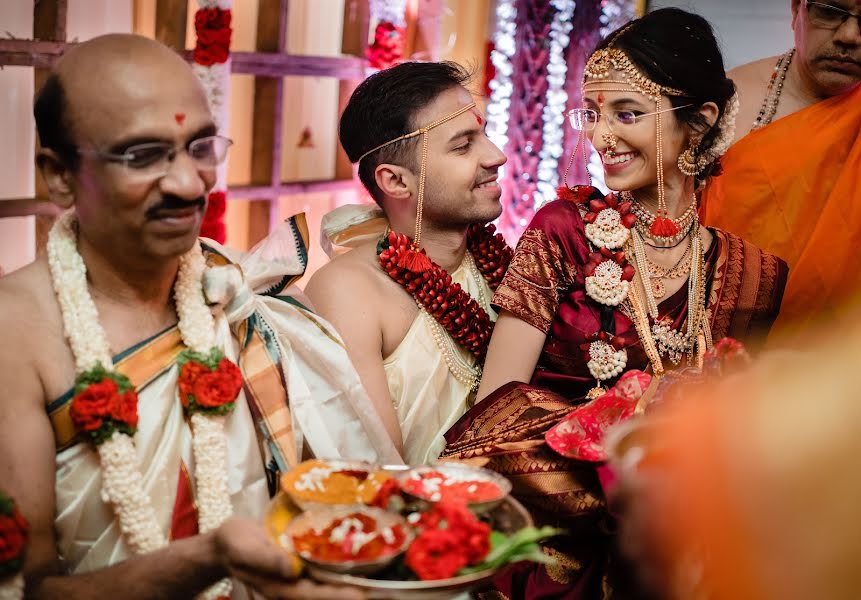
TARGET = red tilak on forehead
(600,98)
(180,118)
(478,118)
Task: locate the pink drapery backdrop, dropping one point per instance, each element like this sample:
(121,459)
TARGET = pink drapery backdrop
(526,134)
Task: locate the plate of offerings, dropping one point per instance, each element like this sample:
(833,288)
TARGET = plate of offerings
(482,489)
(333,482)
(357,540)
(399,545)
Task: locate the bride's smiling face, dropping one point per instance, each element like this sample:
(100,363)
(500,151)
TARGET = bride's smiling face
(625,115)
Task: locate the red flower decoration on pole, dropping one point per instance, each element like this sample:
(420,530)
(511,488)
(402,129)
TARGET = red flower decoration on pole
(388,47)
(212,26)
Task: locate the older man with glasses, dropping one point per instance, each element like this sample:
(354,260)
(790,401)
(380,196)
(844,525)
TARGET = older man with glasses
(797,164)
(144,384)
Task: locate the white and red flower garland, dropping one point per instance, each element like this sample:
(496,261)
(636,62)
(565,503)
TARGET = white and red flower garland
(607,224)
(104,407)
(387,49)
(211,57)
(14,534)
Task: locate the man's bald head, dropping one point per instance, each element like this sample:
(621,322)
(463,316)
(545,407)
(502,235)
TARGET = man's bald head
(97,79)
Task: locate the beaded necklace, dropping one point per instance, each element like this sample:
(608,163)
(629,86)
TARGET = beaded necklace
(775,87)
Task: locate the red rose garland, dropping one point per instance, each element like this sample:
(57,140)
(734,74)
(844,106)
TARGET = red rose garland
(388,47)
(208,383)
(14,533)
(457,311)
(104,402)
(212,25)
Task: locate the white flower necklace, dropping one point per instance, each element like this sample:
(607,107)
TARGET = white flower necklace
(122,482)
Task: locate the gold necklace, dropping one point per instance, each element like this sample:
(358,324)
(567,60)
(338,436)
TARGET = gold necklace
(461,370)
(657,273)
(661,338)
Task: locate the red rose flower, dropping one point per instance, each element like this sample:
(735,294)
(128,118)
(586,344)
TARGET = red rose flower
(212,26)
(188,376)
(232,374)
(94,404)
(13,535)
(436,554)
(125,408)
(214,389)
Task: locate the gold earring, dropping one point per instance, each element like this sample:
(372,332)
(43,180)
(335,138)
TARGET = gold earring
(689,163)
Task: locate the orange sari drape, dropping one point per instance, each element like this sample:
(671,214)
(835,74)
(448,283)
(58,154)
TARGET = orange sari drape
(793,188)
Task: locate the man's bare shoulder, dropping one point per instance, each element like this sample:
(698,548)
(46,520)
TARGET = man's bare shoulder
(34,342)
(357,269)
(754,74)
(751,83)
(23,294)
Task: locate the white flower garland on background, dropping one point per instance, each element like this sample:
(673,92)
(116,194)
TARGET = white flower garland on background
(501,86)
(553,114)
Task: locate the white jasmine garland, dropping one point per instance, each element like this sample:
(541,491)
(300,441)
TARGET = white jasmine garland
(121,478)
(727,130)
(12,588)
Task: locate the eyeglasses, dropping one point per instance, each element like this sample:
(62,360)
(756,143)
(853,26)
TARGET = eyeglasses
(826,16)
(585,119)
(152,160)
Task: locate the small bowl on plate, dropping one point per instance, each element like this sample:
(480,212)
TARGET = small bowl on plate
(329,538)
(320,483)
(482,489)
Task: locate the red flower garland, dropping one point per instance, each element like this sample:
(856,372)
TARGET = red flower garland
(388,47)
(104,402)
(213,219)
(457,311)
(14,532)
(208,383)
(212,26)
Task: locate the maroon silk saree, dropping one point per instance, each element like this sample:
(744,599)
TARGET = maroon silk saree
(545,287)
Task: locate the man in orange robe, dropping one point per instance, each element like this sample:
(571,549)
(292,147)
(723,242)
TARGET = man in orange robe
(793,187)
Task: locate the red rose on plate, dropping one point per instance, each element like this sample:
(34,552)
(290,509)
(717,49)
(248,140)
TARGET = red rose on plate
(13,535)
(94,404)
(436,554)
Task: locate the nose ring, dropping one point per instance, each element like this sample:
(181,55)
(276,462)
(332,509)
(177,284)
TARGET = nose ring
(610,139)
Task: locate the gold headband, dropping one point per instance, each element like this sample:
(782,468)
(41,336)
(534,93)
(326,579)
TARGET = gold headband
(422,131)
(603,61)
(419,131)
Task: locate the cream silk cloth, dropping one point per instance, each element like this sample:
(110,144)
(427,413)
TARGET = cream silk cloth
(329,411)
(426,395)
